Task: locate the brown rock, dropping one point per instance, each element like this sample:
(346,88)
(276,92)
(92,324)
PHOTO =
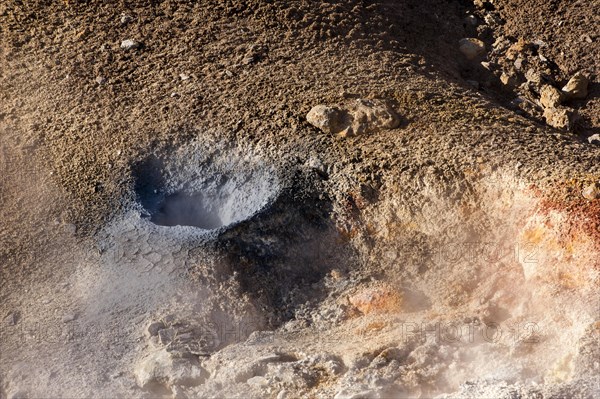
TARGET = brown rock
(471,48)
(560,118)
(591,192)
(328,119)
(508,79)
(517,48)
(369,116)
(533,76)
(577,87)
(361,117)
(550,97)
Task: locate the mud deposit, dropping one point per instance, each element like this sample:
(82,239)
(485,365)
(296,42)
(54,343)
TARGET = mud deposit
(347,199)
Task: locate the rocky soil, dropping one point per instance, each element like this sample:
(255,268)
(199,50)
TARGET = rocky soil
(355,199)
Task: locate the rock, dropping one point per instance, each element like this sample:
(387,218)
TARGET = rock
(184,337)
(260,337)
(155,327)
(69,317)
(501,44)
(100,80)
(594,139)
(560,118)
(125,19)
(576,87)
(508,80)
(251,59)
(361,117)
(160,367)
(550,96)
(471,20)
(129,45)
(492,20)
(518,63)
(11,319)
(255,54)
(517,48)
(330,120)
(480,3)
(370,116)
(376,299)
(591,192)
(70,228)
(471,48)
(532,76)
(166,336)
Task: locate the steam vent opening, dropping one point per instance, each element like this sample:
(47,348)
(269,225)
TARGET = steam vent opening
(190,210)
(204,199)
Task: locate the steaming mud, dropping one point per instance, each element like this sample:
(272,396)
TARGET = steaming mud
(487,297)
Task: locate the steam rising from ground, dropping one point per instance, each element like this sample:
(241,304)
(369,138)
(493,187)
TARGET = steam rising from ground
(486,297)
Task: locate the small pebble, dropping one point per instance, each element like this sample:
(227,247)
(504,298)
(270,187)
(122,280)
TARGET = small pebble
(591,192)
(125,19)
(129,44)
(69,317)
(594,139)
(11,319)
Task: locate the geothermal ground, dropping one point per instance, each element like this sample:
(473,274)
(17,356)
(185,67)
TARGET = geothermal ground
(348,199)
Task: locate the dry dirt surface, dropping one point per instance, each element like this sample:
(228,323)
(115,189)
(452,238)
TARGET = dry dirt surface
(179,219)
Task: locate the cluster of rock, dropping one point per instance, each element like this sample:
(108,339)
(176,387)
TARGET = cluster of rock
(523,68)
(520,66)
(551,99)
(362,116)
